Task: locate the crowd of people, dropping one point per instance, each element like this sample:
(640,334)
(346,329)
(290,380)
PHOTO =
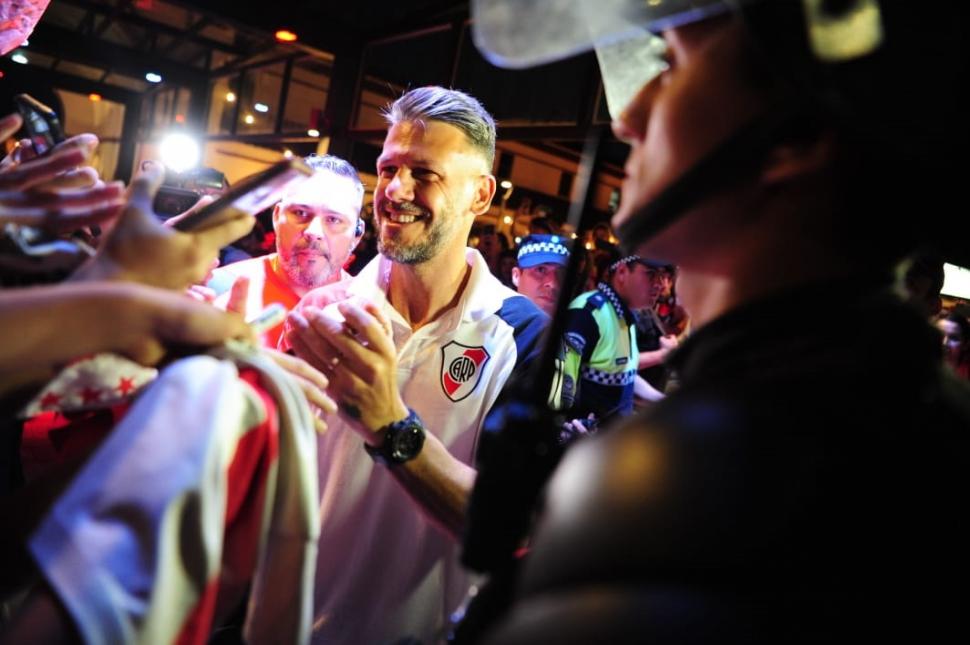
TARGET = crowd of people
(177,466)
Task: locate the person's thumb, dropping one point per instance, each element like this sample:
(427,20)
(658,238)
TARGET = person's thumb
(238,296)
(138,217)
(141,191)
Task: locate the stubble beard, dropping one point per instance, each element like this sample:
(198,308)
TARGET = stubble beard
(307,277)
(441,231)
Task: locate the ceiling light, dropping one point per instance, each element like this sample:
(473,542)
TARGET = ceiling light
(249,119)
(261,107)
(313,132)
(152,77)
(285,36)
(230,97)
(19,58)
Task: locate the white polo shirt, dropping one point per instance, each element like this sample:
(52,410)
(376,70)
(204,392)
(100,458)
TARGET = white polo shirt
(384,572)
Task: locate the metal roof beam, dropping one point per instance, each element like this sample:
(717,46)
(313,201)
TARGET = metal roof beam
(121,6)
(70,45)
(160,27)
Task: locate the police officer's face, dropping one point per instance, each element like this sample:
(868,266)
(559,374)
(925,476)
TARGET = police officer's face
(540,284)
(680,116)
(638,285)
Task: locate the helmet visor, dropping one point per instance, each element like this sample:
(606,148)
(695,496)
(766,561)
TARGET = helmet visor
(524,33)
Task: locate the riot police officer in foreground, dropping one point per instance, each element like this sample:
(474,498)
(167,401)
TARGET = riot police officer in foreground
(807,480)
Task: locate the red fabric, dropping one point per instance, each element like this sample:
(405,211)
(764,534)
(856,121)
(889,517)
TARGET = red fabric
(54,438)
(197,626)
(255,453)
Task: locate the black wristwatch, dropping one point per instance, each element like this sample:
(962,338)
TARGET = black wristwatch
(403,441)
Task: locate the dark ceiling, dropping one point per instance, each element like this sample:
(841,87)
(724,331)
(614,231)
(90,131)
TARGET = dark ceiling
(326,24)
(422,42)
(385,46)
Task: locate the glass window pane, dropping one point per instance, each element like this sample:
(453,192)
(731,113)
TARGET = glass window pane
(182,104)
(376,94)
(259,99)
(307,95)
(102,117)
(222,104)
(164,103)
(81,114)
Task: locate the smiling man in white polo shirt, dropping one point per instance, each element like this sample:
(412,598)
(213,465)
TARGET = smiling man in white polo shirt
(418,347)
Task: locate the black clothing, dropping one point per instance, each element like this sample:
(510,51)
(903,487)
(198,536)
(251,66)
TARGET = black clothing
(648,340)
(807,482)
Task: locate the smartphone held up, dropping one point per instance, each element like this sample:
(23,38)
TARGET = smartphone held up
(251,196)
(41,123)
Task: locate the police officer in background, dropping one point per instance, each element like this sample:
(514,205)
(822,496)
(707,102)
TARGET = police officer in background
(600,338)
(540,266)
(806,481)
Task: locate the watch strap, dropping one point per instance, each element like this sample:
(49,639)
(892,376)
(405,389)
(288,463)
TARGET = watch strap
(402,441)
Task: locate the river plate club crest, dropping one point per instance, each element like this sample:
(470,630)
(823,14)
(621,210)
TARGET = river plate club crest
(461,369)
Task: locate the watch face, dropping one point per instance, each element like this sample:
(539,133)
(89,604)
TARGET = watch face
(407,443)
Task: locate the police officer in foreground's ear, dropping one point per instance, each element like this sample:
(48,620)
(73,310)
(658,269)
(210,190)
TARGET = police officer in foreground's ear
(806,481)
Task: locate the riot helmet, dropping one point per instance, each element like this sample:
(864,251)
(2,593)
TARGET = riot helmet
(848,65)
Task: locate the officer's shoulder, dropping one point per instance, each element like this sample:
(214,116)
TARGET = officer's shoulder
(613,490)
(590,301)
(519,312)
